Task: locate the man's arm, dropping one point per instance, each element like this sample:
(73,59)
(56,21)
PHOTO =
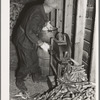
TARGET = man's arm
(33,29)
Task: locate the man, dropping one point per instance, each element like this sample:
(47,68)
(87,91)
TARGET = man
(26,41)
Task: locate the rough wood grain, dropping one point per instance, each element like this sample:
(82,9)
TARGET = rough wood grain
(59,18)
(94,57)
(89,24)
(68,17)
(86,46)
(85,57)
(80,28)
(53,18)
(90,12)
(88,35)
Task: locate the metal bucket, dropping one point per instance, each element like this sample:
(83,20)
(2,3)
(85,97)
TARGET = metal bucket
(48,34)
(44,59)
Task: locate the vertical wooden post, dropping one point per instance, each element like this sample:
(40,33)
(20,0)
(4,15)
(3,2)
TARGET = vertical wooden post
(53,18)
(68,17)
(59,18)
(80,28)
(94,52)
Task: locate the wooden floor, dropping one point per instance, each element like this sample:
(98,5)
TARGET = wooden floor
(32,87)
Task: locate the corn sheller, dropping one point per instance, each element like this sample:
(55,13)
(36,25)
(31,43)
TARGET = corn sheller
(69,79)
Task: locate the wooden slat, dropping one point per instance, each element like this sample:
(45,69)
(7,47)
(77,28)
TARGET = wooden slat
(90,12)
(80,28)
(53,20)
(89,24)
(91,3)
(74,6)
(94,63)
(85,57)
(59,19)
(88,35)
(86,46)
(68,17)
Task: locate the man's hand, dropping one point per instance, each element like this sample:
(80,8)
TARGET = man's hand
(45,46)
(48,26)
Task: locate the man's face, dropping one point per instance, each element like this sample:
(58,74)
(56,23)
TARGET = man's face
(51,3)
(55,4)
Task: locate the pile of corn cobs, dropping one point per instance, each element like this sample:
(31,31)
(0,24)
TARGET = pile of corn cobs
(62,92)
(72,86)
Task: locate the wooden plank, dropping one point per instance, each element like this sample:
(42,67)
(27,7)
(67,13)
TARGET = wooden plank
(91,3)
(68,17)
(88,35)
(90,12)
(59,19)
(53,20)
(94,63)
(86,46)
(85,57)
(80,30)
(89,24)
(74,6)
(74,2)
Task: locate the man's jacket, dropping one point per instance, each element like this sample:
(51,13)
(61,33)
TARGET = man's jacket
(30,27)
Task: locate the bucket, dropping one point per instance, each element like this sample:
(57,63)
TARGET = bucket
(44,60)
(46,35)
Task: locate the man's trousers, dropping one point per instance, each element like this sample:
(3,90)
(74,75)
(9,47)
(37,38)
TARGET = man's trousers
(28,63)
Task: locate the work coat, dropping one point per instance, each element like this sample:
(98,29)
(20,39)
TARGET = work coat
(30,27)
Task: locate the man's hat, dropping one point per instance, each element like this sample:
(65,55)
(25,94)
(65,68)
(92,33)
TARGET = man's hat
(51,3)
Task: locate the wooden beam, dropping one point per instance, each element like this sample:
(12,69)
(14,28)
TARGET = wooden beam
(94,63)
(80,30)
(59,19)
(68,17)
(53,20)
